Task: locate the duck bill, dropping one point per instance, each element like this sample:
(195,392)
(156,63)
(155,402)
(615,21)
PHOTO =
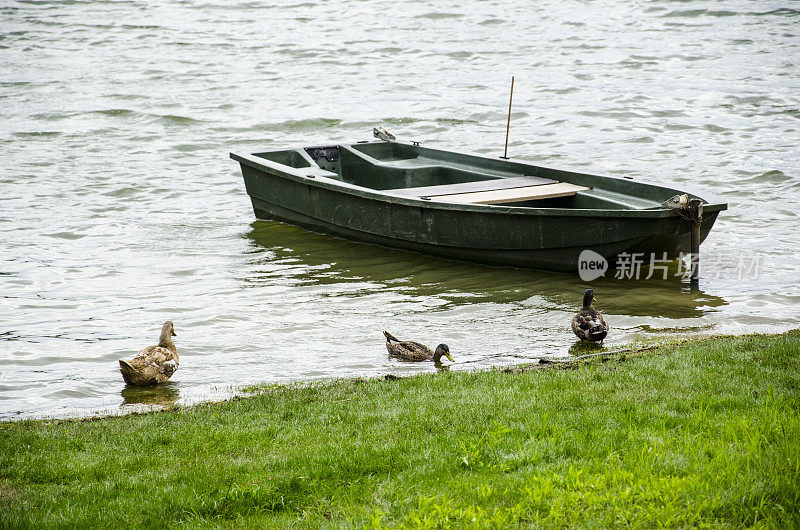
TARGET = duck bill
(448,356)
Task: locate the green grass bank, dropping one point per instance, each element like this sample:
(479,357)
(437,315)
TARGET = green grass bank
(704,433)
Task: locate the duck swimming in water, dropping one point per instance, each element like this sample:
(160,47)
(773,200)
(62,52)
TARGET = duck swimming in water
(154,364)
(414,351)
(589,324)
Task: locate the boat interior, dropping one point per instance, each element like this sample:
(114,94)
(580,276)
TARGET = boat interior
(412,171)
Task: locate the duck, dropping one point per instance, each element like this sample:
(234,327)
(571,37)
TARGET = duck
(414,351)
(154,364)
(588,323)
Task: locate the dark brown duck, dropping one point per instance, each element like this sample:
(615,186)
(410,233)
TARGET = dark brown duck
(589,324)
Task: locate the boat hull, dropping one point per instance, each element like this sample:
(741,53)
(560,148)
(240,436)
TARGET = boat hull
(502,236)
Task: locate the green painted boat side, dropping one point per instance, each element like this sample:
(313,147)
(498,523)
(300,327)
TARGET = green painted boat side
(345,190)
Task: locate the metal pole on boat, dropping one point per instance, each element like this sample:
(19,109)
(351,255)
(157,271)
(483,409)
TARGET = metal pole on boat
(695,208)
(508,124)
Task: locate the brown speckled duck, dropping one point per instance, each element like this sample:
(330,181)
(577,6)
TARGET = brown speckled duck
(154,364)
(589,324)
(414,351)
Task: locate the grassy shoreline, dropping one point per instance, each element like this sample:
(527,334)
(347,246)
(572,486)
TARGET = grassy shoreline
(700,433)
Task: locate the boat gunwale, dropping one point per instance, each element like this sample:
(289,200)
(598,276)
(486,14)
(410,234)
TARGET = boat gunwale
(307,176)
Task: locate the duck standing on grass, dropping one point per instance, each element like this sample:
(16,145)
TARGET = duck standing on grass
(589,324)
(414,351)
(154,364)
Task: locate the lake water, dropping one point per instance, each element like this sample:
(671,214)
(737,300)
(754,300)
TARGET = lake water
(120,209)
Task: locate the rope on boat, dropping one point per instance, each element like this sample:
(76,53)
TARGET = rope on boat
(691,210)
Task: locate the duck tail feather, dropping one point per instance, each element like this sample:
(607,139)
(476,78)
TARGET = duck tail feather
(390,337)
(597,333)
(126,369)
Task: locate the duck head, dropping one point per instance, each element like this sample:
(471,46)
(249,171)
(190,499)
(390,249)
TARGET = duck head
(167,332)
(441,350)
(588,296)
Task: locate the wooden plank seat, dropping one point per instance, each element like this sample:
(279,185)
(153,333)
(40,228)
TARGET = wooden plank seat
(493,191)
(466,187)
(504,196)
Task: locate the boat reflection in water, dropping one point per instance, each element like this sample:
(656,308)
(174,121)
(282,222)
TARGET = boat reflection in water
(284,254)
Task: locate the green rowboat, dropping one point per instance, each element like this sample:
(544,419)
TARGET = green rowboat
(469,207)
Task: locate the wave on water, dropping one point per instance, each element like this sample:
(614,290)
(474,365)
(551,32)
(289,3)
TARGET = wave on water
(435,15)
(697,13)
